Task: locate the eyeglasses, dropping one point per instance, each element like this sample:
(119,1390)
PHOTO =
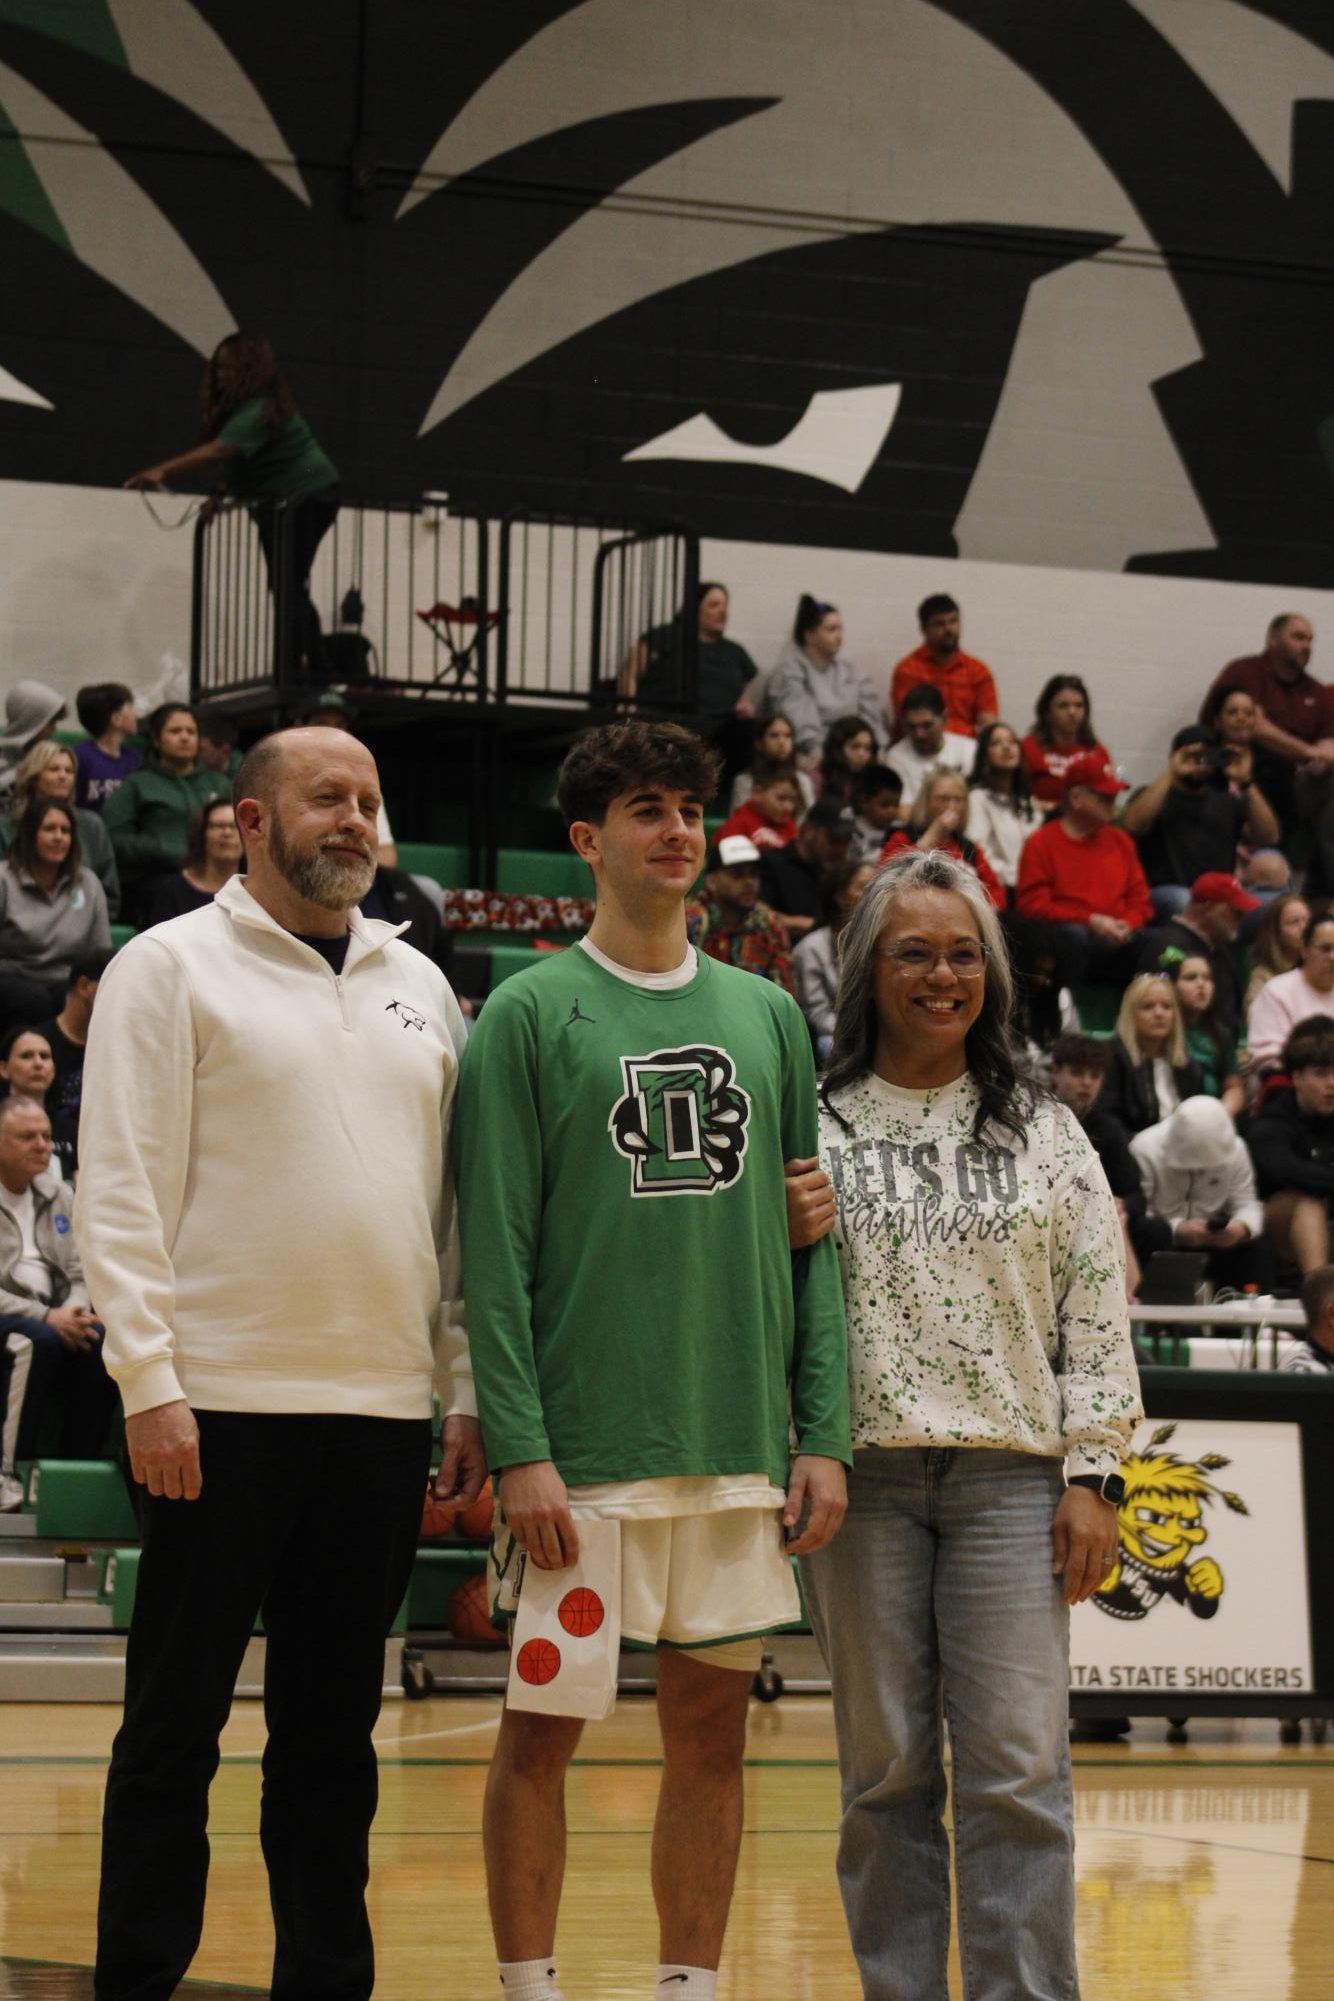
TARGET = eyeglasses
(965,961)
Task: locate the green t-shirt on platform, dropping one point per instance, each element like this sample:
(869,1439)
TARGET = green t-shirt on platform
(634,1309)
(273,465)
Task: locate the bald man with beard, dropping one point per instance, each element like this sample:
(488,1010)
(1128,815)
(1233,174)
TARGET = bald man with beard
(267,1222)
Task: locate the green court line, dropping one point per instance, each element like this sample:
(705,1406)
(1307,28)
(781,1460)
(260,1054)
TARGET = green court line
(219,1988)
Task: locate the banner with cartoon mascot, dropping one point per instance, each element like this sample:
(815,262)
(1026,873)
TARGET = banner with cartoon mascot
(1209,1596)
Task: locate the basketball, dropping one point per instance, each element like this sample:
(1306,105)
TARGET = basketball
(468,1614)
(581,1612)
(474,1521)
(538,1662)
(437,1516)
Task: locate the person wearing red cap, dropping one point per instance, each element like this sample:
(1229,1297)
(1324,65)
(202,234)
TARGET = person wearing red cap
(1209,924)
(1082,875)
(1188,821)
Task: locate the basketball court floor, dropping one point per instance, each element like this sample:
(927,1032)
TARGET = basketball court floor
(1206,1870)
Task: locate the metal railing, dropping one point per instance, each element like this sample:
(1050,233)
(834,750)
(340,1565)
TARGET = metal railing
(533,609)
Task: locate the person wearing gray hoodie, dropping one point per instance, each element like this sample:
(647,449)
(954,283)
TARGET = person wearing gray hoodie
(32,711)
(1197,1176)
(814,684)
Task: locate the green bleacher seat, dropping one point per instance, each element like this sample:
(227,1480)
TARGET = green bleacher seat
(121,934)
(84,1498)
(539,872)
(436,1575)
(448,866)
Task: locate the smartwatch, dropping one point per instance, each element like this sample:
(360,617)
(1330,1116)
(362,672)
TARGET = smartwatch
(1109,1485)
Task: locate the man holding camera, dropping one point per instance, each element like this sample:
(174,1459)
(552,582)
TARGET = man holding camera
(1188,821)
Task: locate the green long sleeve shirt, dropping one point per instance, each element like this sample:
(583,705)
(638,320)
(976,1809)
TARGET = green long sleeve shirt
(634,1309)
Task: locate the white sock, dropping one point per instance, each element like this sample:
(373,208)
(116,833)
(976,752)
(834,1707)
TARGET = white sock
(530,1980)
(686,1983)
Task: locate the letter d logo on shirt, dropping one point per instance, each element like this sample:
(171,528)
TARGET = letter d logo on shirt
(682,1123)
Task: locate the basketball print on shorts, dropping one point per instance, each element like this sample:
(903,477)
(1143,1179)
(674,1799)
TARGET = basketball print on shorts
(538,1662)
(581,1612)
(682,1122)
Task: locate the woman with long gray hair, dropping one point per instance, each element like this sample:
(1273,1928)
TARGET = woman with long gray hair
(993,1395)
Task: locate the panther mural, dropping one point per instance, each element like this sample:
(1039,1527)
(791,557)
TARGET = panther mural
(1046,282)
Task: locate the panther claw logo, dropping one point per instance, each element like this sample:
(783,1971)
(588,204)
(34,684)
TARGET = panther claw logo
(682,1123)
(1161,1529)
(408,1016)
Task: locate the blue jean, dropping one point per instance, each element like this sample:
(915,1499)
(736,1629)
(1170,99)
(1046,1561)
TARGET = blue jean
(1169,899)
(937,1595)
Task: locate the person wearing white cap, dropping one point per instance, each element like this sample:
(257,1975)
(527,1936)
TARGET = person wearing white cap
(32,711)
(730,922)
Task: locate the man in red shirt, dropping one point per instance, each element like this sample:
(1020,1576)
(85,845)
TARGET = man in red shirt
(1082,875)
(940,662)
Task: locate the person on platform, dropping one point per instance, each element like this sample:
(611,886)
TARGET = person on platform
(49,771)
(1197,1177)
(792,878)
(213,854)
(47,1325)
(725,682)
(1189,822)
(1291,1140)
(106,711)
(994,1392)
(967,685)
(1293,997)
(148,816)
(1082,876)
(1150,1070)
(1001,812)
(939,821)
(670,1416)
(266,1217)
(51,909)
(769,815)
(729,921)
(1062,731)
(925,744)
(815,684)
(258,448)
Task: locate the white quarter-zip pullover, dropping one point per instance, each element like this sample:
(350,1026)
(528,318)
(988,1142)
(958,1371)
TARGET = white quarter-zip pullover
(265,1209)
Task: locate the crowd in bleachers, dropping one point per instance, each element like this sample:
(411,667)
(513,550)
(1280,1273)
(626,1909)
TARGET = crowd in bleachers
(1173,941)
(1174,956)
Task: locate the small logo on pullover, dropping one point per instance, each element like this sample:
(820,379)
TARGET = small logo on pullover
(407,1015)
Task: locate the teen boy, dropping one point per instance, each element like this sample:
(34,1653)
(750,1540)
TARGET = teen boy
(638,1322)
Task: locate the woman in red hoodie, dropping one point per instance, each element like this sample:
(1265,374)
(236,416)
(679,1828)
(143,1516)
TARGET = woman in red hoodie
(939,820)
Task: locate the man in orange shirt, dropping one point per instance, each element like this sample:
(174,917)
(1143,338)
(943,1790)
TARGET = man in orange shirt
(966,684)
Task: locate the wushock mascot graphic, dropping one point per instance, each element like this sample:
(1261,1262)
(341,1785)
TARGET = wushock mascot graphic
(1162,1531)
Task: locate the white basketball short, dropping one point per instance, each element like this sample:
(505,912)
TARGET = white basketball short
(712,1585)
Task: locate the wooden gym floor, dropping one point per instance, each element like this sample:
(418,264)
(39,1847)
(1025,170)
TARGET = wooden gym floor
(1206,1870)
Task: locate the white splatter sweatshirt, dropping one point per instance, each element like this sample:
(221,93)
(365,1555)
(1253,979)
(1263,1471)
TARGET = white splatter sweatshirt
(984,1282)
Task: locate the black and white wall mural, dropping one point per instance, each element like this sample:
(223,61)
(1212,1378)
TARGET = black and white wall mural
(1045,281)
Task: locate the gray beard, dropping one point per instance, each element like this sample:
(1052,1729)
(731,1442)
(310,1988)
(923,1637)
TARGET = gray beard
(325,879)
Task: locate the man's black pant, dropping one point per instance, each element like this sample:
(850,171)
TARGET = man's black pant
(313,1521)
